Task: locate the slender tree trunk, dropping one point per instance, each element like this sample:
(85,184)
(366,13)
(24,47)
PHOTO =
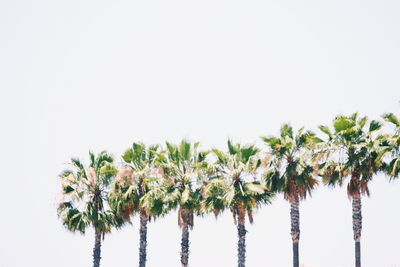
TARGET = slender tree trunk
(358,254)
(295,229)
(143,238)
(185,221)
(241,242)
(295,254)
(185,245)
(357,226)
(97,248)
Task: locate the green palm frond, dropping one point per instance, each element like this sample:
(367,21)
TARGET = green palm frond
(231,148)
(79,167)
(287,131)
(185,150)
(138,185)
(235,187)
(394,168)
(326,130)
(374,126)
(291,170)
(390,117)
(354,149)
(343,123)
(273,142)
(184,168)
(84,193)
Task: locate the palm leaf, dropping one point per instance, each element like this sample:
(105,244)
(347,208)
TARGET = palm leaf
(390,117)
(326,130)
(374,126)
(342,123)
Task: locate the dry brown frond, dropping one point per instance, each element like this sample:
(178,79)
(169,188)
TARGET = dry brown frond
(157,172)
(242,214)
(265,160)
(234,215)
(353,188)
(125,175)
(216,212)
(250,215)
(92,177)
(364,188)
(127,210)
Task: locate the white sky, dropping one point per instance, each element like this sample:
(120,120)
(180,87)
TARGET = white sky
(80,75)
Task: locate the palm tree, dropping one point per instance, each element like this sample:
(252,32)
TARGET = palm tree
(137,190)
(84,198)
(352,151)
(393,168)
(183,167)
(238,187)
(291,173)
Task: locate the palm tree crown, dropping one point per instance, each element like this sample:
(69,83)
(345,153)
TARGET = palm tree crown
(290,170)
(137,185)
(85,193)
(351,150)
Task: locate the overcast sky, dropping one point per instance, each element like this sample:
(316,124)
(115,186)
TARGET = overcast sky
(80,75)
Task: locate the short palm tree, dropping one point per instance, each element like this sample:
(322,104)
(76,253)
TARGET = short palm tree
(393,167)
(84,198)
(290,172)
(238,188)
(137,189)
(183,167)
(352,151)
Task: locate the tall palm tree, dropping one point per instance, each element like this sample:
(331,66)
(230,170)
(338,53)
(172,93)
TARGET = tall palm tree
(84,198)
(290,172)
(183,167)
(352,151)
(393,167)
(137,189)
(238,188)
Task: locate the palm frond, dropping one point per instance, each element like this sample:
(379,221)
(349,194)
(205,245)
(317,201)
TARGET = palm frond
(390,117)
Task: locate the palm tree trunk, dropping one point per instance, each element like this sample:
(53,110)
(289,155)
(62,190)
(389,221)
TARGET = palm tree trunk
(185,245)
(357,226)
(97,248)
(143,238)
(241,242)
(185,220)
(295,229)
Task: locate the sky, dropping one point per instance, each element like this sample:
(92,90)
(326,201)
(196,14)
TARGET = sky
(93,75)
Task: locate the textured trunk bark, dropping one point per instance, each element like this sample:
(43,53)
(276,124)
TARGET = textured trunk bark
(357,226)
(295,229)
(143,238)
(97,248)
(185,245)
(241,243)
